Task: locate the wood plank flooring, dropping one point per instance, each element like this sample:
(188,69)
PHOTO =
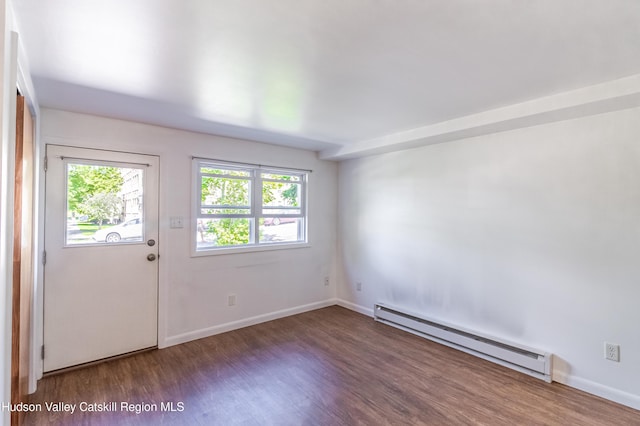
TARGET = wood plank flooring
(326,367)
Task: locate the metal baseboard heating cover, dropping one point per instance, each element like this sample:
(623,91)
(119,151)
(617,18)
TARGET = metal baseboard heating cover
(524,359)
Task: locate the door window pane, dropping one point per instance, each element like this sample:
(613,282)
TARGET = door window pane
(104,204)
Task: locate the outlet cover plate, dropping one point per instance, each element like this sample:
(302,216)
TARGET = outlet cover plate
(612,351)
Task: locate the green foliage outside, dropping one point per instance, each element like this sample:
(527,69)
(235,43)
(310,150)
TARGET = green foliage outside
(271,190)
(101,207)
(92,191)
(230,232)
(225,192)
(234,191)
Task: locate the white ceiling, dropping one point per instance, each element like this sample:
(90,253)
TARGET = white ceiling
(319,74)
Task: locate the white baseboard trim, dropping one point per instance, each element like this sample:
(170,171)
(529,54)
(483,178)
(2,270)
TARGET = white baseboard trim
(357,308)
(612,394)
(234,325)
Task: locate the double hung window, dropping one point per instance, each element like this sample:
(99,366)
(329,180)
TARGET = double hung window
(240,205)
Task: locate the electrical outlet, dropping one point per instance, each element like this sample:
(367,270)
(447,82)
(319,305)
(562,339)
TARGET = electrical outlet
(326,280)
(612,352)
(359,286)
(232,300)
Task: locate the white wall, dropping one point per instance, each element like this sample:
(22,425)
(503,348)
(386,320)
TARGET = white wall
(531,235)
(193,291)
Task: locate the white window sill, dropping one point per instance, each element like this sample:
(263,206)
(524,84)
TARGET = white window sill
(247,249)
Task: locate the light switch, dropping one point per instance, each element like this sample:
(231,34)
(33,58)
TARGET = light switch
(176,222)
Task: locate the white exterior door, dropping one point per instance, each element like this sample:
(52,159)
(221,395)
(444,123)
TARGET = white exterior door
(101,243)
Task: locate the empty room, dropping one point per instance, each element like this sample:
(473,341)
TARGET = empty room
(283,212)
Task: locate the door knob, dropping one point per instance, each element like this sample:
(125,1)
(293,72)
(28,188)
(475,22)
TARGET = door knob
(151,257)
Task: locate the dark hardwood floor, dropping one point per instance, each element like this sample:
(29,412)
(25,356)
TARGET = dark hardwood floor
(326,367)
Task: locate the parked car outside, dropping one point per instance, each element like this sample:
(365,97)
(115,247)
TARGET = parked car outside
(125,231)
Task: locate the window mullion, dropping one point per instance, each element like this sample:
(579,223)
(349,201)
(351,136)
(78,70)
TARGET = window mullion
(256,188)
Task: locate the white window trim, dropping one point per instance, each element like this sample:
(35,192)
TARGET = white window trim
(256,207)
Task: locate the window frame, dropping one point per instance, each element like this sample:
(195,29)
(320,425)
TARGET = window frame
(72,161)
(255,209)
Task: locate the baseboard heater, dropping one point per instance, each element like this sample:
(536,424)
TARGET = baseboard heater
(526,360)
